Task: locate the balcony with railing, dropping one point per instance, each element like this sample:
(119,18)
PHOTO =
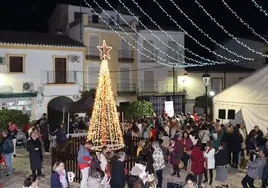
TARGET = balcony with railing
(159,88)
(126,89)
(126,56)
(58,77)
(149,57)
(92,53)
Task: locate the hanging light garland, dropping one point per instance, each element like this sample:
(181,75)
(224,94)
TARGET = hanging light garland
(133,46)
(227,32)
(146,28)
(190,36)
(166,33)
(243,22)
(204,33)
(260,7)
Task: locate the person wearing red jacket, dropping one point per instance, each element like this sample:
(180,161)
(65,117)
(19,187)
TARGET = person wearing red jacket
(198,160)
(84,161)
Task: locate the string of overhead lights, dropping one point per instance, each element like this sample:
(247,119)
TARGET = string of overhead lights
(260,7)
(130,44)
(243,22)
(227,32)
(166,33)
(203,32)
(190,36)
(148,31)
(138,50)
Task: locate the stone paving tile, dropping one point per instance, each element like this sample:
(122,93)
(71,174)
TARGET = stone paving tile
(22,170)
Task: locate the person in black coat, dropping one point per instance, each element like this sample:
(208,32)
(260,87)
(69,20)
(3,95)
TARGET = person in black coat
(235,146)
(118,175)
(60,134)
(34,148)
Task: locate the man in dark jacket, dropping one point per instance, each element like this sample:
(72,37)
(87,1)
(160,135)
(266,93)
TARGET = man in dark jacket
(7,149)
(118,175)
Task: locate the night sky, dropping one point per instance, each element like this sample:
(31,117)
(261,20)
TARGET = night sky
(32,15)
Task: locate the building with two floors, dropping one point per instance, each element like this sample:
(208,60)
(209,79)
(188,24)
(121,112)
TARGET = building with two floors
(81,24)
(134,76)
(158,83)
(39,72)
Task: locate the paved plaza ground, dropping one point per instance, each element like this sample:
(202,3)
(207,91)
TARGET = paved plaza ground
(22,170)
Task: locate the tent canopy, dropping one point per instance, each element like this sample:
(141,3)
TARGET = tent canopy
(84,105)
(248,98)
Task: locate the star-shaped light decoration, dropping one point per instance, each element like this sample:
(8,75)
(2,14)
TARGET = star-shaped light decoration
(104,50)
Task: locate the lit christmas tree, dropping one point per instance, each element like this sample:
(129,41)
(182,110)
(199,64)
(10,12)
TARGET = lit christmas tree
(105,129)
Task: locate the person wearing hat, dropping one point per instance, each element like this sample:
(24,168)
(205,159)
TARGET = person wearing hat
(255,169)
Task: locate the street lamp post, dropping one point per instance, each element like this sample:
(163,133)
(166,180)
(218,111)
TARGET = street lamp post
(206,80)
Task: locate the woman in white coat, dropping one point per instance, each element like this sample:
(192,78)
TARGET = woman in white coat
(209,162)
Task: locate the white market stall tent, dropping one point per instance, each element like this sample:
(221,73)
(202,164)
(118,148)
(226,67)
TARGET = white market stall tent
(249,99)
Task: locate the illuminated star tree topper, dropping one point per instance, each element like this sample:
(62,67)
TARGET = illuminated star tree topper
(105,129)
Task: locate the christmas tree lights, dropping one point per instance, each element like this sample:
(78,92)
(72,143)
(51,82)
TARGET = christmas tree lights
(105,129)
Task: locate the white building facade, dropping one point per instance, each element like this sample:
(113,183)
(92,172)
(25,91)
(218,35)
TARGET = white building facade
(65,16)
(221,77)
(44,71)
(156,81)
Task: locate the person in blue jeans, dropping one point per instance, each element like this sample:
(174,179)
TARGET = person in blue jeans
(7,148)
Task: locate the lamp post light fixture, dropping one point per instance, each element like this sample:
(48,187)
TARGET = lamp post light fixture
(206,81)
(212,93)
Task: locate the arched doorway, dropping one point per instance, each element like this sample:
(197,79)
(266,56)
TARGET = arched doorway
(55,110)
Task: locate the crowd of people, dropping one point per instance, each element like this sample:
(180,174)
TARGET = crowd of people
(203,150)
(189,142)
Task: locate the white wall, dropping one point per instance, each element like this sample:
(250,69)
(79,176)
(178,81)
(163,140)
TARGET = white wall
(160,74)
(240,50)
(195,86)
(37,63)
(89,12)
(75,32)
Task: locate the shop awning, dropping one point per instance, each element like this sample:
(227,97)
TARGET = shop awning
(18,95)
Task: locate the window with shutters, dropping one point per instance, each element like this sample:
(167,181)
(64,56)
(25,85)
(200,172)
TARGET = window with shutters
(60,75)
(92,50)
(148,81)
(171,51)
(171,84)
(125,51)
(16,64)
(216,85)
(150,53)
(124,85)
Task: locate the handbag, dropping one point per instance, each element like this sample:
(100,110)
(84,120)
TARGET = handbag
(181,165)
(173,185)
